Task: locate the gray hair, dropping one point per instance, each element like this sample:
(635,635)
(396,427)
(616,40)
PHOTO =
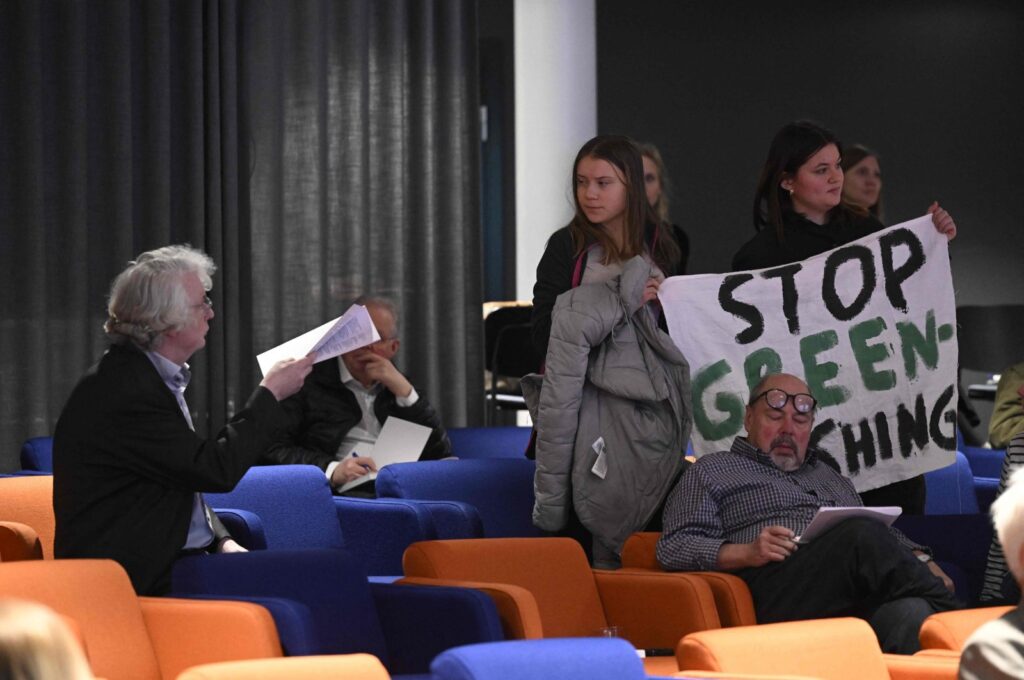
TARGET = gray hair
(148,299)
(387,304)
(1008,517)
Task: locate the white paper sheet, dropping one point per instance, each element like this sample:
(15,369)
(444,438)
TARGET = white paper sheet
(829,517)
(351,330)
(399,442)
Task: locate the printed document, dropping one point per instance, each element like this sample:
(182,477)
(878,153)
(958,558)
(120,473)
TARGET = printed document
(399,442)
(829,517)
(351,330)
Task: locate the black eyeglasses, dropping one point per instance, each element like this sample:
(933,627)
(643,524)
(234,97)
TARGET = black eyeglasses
(776,398)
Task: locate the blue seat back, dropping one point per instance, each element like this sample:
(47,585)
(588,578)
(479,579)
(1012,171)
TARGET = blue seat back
(37,454)
(985,462)
(489,442)
(330,583)
(566,659)
(950,490)
(501,489)
(294,503)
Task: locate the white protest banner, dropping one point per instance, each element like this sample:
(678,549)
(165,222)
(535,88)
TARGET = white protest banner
(870,326)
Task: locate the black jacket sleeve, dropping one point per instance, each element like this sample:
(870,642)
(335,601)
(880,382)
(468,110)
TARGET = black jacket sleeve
(554,277)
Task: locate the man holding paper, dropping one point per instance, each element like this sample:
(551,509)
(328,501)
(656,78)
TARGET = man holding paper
(343,406)
(128,467)
(742,510)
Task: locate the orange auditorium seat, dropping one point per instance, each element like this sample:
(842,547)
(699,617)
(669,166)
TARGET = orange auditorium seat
(127,637)
(732,596)
(544,587)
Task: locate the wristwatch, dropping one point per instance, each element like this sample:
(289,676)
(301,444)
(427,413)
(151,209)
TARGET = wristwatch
(925,557)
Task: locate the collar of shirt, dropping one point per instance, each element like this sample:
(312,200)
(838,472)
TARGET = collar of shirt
(174,376)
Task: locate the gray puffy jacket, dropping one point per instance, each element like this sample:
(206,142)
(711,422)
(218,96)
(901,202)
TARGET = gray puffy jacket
(614,414)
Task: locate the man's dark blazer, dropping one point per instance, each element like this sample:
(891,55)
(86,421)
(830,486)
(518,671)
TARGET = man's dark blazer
(126,466)
(324,410)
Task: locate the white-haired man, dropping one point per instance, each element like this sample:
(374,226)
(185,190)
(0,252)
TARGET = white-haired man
(996,650)
(128,467)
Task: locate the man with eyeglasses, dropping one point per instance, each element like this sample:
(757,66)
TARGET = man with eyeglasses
(742,510)
(128,467)
(344,404)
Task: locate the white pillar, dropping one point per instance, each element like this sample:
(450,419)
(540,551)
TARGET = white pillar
(556,112)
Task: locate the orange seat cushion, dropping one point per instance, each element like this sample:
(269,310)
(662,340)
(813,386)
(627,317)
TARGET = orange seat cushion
(19,542)
(348,666)
(950,630)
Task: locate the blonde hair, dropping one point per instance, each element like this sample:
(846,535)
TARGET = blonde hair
(148,298)
(35,644)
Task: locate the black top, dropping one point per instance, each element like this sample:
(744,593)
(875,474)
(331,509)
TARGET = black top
(555,270)
(802,239)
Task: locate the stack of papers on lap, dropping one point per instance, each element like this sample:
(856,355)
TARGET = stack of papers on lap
(399,442)
(351,330)
(829,517)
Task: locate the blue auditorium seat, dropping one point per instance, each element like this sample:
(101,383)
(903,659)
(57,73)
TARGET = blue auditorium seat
(37,454)
(501,489)
(323,603)
(950,490)
(563,658)
(489,442)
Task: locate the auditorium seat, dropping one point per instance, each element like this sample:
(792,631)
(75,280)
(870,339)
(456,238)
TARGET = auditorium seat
(37,454)
(950,630)
(140,638)
(29,500)
(470,443)
(544,587)
(500,489)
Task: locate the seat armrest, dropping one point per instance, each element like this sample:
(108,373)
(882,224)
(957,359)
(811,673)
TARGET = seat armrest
(244,526)
(19,542)
(293,620)
(190,632)
(924,667)
(517,608)
(380,529)
(950,630)
(656,609)
(732,598)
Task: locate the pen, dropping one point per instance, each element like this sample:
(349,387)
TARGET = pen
(355,454)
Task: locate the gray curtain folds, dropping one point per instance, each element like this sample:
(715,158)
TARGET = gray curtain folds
(317,150)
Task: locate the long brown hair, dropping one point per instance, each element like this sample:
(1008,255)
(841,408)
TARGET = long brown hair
(791,147)
(622,153)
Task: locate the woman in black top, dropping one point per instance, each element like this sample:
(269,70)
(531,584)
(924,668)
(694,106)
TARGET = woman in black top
(613,221)
(799,213)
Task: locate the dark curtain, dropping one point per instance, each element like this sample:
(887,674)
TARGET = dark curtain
(317,150)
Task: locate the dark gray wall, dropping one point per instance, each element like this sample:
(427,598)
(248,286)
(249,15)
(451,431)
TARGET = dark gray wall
(936,87)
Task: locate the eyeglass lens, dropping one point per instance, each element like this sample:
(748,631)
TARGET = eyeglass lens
(802,402)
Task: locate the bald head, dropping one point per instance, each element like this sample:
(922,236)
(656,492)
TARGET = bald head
(781,432)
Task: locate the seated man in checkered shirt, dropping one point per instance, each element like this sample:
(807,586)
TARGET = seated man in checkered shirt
(741,510)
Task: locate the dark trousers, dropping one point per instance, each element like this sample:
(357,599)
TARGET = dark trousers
(909,494)
(852,570)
